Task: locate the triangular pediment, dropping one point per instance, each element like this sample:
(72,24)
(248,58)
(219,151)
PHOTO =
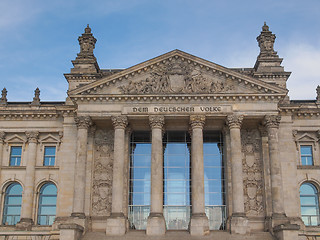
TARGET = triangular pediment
(176,73)
(15,139)
(306,138)
(49,139)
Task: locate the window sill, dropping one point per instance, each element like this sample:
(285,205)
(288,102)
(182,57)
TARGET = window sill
(307,167)
(13,167)
(47,167)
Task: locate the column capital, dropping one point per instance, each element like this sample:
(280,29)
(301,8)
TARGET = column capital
(272,121)
(156,121)
(83,122)
(197,121)
(32,136)
(234,121)
(119,121)
(2,136)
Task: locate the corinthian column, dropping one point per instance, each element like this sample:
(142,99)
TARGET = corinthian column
(238,219)
(83,124)
(199,224)
(28,191)
(156,224)
(117,223)
(272,123)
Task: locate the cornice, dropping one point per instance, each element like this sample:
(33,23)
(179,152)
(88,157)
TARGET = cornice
(177,97)
(168,57)
(13,113)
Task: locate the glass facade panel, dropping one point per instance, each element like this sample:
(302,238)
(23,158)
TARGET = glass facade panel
(12,204)
(177,179)
(306,155)
(47,204)
(15,155)
(309,204)
(49,156)
(214,180)
(140,179)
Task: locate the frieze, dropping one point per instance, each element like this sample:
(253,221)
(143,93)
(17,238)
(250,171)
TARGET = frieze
(145,109)
(177,77)
(102,175)
(252,172)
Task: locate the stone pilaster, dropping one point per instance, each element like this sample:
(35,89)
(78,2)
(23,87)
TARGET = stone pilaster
(272,123)
(117,222)
(156,224)
(26,220)
(199,224)
(83,124)
(2,137)
(239,222)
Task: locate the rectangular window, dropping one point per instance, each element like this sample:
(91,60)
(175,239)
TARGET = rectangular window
(15,155)
(49,156)
(306,155)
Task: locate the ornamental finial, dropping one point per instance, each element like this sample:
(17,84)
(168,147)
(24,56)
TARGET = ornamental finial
(318,94)
(36,99)
(266,41)
(4,99)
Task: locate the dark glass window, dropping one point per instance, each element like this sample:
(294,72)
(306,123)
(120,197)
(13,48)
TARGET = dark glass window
(214,180)
(12,204)
(47,204)
(177,179)
(140,179)
(309,204)
(306,155)
(15,155)
(49,156)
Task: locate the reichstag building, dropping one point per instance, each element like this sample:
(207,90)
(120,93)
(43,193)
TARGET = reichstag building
(173,147)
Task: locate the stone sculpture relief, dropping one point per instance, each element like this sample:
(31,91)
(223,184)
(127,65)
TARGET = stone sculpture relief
(252,172)
(176,77)
(102,175)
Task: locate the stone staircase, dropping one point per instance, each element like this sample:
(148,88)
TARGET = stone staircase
(179,235)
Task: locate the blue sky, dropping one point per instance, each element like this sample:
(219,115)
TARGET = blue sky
(39,38)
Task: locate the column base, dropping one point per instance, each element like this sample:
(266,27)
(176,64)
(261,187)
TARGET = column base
(239,224)
(70,231)
(287,231)
(156,224)
(199,225)
(25,224)
(116,224)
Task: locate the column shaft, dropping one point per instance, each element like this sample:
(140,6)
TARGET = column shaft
(2,137)
(234,122)
(156,223)
(83,124)
(117,223)
(199,224)
(272,123)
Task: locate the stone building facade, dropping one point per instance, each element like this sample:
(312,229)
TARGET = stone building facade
(174,143)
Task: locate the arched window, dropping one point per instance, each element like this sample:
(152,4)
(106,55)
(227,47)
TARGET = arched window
(12,204)
(309,204)
(47,204)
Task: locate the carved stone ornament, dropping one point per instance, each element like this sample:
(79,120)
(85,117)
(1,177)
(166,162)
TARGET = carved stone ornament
(32,136)
(176,77)
(36,98)
(197,121)
(272,121)
(252,172)
(87,43)
(102,173)
(234,121)
(266,41)
(4,99)
(156,121)
(318,94)
(83,122)
(2,136)
(119,121)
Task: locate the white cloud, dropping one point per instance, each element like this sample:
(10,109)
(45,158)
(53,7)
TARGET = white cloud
(303,60)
